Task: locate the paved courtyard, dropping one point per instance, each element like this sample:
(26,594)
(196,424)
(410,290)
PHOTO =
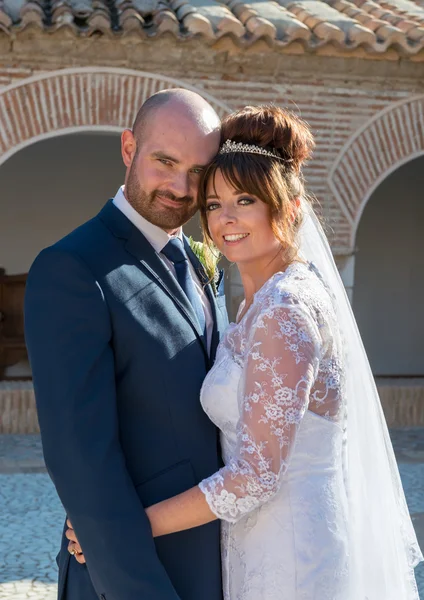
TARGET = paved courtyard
(31,516)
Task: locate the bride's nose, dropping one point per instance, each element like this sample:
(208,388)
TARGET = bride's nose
(228,215)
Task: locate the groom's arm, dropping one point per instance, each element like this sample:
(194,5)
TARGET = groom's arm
(68,335)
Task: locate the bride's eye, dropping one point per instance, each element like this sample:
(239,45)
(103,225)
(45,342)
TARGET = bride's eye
(246,200)
(212,206)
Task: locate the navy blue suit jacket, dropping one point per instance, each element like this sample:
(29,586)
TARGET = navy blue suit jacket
(118,362)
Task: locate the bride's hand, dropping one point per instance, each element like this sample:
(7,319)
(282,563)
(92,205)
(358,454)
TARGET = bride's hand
(73,547)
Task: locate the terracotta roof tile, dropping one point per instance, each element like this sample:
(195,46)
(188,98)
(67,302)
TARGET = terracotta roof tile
(288,26)
(61,16)
(345,24)
(130,20)
(5,21)
(165,19)
(221,18)
(405,7)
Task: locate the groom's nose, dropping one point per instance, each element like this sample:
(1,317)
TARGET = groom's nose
(180,185)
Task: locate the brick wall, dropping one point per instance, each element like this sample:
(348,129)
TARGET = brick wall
(337,103)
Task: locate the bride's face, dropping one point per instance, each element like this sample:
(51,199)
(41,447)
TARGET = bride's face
(239,224)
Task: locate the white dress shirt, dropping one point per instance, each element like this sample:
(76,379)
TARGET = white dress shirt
(158,238)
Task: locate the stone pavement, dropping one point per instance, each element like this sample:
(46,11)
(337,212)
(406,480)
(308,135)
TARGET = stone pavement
(31,516)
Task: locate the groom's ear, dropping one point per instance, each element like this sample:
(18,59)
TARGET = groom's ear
(128,147)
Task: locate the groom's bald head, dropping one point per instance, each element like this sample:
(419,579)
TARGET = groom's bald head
(180,103)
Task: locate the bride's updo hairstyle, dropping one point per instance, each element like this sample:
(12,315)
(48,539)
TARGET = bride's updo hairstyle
(276,181)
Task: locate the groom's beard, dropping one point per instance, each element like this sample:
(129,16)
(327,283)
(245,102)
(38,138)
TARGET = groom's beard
(149,206)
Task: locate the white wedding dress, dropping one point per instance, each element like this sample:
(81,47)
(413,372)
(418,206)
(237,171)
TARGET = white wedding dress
(276,393)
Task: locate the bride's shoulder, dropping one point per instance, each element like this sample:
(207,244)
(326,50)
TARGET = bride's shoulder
(289,286)
(296,288)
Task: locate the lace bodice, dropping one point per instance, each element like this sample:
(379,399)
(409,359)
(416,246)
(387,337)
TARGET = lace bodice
(289,354)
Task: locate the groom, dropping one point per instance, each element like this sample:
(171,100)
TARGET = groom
(121,333)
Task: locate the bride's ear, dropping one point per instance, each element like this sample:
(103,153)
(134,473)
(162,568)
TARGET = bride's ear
(294,209)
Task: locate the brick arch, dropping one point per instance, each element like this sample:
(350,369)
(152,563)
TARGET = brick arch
(81,99)
(393,137)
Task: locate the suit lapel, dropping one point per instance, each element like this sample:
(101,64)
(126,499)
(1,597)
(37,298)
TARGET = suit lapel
(151,263)
(204,279)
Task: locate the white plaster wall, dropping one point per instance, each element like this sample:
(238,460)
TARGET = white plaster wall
(388,296)
(50,188)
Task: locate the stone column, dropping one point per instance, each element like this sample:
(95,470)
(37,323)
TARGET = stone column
(346,265)
(234,290)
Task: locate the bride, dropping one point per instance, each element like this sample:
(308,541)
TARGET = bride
(310,498)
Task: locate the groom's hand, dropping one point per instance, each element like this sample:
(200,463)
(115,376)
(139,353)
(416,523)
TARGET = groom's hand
(73,547)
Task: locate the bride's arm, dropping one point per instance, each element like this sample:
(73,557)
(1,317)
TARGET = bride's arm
(184,511)
(280,367)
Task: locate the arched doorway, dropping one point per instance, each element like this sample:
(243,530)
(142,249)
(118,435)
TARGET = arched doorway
(51,187)
(388,295)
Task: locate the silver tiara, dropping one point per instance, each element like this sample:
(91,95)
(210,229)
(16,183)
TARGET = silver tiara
(229,146)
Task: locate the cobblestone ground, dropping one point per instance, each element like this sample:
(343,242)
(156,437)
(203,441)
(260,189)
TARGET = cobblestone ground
(31,516)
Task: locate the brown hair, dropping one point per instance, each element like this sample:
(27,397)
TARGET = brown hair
(275,181)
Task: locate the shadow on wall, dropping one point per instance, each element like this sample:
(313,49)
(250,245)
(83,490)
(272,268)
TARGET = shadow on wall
(388,295)
(52,187)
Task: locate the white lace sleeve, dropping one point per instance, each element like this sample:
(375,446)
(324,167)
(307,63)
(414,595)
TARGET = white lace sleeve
(280,367)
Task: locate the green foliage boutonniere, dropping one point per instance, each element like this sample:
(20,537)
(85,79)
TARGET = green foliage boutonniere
(209,258)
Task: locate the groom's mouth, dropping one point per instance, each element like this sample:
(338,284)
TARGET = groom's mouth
(171,202)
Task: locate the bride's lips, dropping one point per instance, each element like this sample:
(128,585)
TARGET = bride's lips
(232,239)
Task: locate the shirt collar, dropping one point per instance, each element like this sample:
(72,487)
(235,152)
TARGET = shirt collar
(156,236)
